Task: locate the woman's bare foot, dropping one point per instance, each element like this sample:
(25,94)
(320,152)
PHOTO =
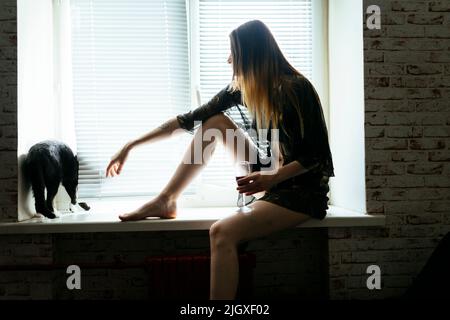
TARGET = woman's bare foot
(162,206)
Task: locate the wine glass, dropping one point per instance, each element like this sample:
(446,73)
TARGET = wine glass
(242,169)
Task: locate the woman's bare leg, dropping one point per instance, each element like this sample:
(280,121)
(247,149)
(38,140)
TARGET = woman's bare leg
(164,205)
(225,235)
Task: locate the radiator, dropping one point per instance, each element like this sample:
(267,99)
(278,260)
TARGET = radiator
(188,276)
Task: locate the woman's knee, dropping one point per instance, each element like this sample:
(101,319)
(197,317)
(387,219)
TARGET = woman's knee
(219,121)
(221,234)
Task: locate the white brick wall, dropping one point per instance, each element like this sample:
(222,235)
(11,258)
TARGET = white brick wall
(8,110)
(407,94)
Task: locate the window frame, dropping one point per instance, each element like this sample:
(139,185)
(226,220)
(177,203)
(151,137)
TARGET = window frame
(332,21)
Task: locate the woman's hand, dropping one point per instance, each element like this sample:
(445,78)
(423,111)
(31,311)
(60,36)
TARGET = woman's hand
(255,182)
(117,161)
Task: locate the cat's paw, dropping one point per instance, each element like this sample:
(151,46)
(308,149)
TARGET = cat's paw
(84,205)
(79,207)
(47,214)
(50,215)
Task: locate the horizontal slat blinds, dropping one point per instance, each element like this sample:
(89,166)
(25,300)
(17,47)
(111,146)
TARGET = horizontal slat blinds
(289,21)
(130,73)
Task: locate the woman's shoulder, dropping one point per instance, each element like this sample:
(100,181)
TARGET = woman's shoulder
(296,83)
(299,81)
(299,85)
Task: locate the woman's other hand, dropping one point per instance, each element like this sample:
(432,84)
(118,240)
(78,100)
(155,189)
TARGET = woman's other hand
(118,160)
(255,182)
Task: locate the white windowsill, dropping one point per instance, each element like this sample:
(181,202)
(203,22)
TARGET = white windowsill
(102,220)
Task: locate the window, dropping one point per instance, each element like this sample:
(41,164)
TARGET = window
(62,89)
(120,68)
(130,74)
(131,71)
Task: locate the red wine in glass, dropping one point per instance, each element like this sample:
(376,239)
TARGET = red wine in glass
(242,169)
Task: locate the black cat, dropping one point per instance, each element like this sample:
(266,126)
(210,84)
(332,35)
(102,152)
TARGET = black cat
(48,164)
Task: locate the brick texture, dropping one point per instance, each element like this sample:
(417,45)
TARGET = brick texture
(8,110)
(279,271)
(407,158)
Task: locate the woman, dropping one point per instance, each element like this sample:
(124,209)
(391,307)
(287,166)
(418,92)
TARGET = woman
(278,97)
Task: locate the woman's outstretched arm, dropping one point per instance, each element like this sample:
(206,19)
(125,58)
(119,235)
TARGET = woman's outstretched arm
(165,130)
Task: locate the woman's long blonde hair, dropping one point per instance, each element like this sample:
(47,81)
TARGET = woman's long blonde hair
(261,72)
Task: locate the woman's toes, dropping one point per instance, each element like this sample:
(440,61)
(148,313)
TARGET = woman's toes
(154,208)
(123,217)
(129,216)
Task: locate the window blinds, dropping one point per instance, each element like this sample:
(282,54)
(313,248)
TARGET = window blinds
(289,21)
(130,73)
